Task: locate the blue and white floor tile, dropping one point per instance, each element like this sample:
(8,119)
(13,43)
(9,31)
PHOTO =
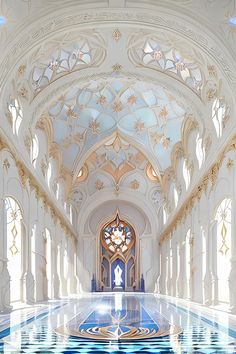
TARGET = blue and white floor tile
(35,330)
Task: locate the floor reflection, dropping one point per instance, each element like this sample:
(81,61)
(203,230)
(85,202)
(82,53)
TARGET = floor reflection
(33,330)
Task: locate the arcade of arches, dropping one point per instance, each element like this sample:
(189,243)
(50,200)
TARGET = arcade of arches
(118,149)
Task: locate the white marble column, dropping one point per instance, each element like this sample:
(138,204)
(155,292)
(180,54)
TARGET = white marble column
(4,274)
(232,275)
(214,265)
(207,277)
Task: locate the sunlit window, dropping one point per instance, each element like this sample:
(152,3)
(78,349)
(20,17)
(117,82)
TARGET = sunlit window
(16,115)
(176,197)
(34,150)
(49,173)
(200,152)
(218,114)
(186,174)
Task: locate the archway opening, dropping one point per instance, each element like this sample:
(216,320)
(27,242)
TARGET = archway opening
(119,269)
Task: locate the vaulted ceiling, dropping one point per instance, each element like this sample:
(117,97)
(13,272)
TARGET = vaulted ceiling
(117,82)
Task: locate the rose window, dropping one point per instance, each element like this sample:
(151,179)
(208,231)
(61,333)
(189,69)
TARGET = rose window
(118,236)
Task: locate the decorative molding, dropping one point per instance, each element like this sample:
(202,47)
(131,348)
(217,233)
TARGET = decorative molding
(187,206)
(25,176)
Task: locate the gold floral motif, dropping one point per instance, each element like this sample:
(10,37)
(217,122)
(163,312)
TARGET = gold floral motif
(116,34)
(94,126)
(139,126)
(21,69)
(23,92)
(211,93)
(117,106)
(99,185)
(212,70)
(101,100)
(134,184)
(230,164)
(132,99)
(163,113)
(6,164)
(157,55)
(71,113)
(116,67)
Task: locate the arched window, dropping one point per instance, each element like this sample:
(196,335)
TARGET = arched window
(34,150)
(49,173)
(16,115)
(118,256)
(176,197)
(186,174)
(14,246)
(223,217)
(200,152)
(218,114)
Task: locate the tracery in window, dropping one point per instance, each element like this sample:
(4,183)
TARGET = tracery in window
(160,53)
(223,216)
(200,151)
(16,115)
(14,246)
(118,236)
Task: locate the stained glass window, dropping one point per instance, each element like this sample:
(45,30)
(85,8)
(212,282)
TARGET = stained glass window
(118,236)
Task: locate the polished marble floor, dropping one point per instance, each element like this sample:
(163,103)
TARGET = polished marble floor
(117,323)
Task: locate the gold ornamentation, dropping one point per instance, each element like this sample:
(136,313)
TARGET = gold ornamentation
(224,248)
(210,176)
(116,68)
(6,164)
(212,70)
(22,173)
(116,34)
(163,113)
(101,100)
(71,113)
(94,126)
(21,69)
(157,55)
(230,164)
(117,106)
(99,185)
(139,126)
(134,184)
(132,99)
(211,93)
(23,92)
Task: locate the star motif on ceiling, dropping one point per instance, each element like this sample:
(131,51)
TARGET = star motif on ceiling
(71,113)
(139,126)
(101,100)
(117,107)
(94,126)
(99,185)
(132,99)
(163,112)
(157,138)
